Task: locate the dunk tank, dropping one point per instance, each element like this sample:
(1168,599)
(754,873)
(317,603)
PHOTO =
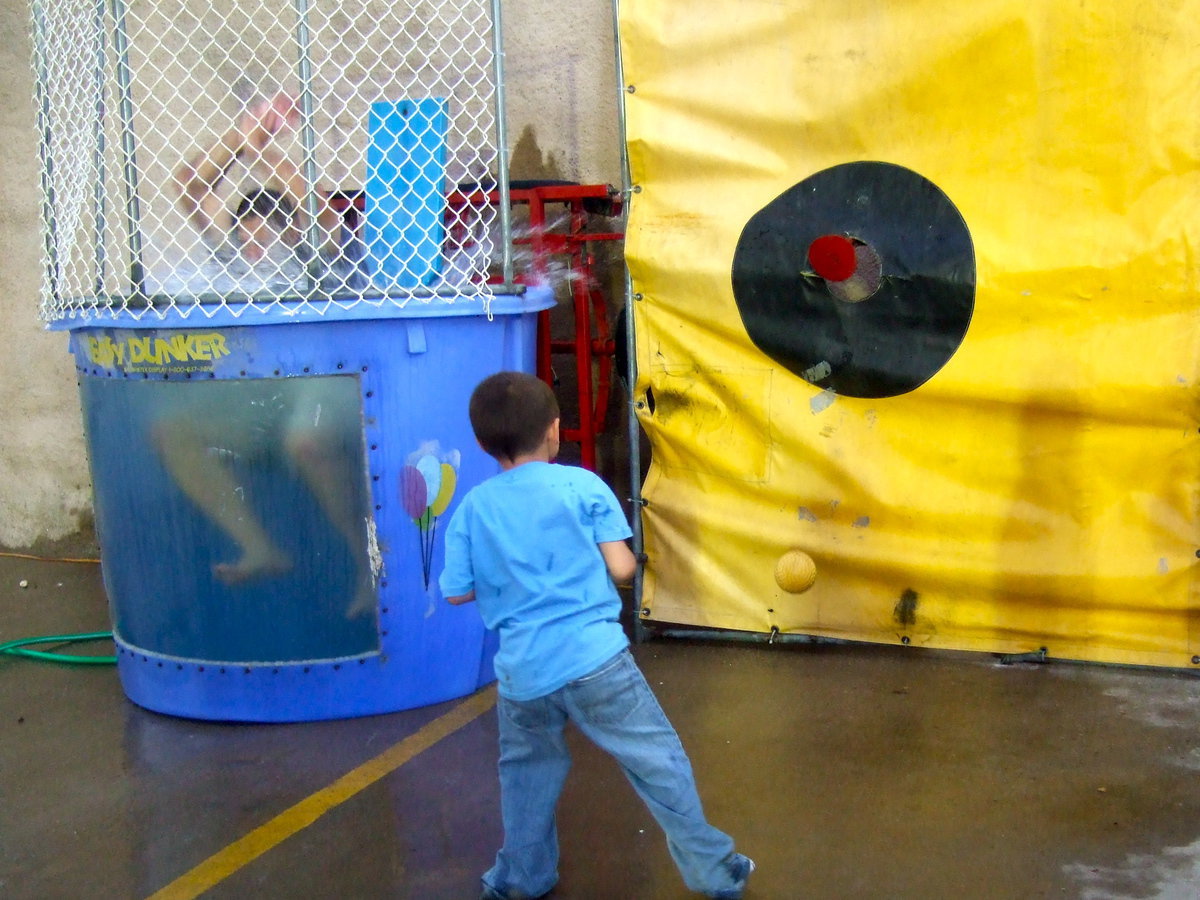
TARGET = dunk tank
(277,318)
(914,288)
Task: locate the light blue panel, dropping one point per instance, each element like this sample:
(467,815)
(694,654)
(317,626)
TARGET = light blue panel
(405,192)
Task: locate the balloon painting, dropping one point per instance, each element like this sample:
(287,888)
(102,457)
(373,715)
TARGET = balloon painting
(426,489)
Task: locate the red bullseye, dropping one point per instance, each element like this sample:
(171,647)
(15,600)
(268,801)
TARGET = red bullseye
(832,257)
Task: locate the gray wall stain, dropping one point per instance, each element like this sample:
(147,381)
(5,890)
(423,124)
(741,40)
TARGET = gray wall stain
(530,162)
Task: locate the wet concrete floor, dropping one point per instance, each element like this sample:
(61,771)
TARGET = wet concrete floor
(848,771)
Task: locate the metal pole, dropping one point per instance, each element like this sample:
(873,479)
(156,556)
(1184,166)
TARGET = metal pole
(502,143)
(133,210)
(49,222)
(633,428)
(309,139)
(774,636)
(100,226)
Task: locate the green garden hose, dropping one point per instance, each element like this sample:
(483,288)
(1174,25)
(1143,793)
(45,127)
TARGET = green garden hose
(17,648)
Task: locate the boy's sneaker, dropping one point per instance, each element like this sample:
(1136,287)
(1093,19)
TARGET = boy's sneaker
(490,893)
(740,867)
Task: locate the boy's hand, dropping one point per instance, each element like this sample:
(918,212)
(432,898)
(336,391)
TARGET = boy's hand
(265,119)
(461,598)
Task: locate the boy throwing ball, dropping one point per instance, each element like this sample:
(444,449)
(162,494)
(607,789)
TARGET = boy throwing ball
(539,546)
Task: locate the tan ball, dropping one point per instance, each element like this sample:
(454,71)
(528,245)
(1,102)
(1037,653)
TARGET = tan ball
(795,572)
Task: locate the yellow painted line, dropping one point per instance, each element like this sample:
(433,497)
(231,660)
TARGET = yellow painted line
(242,852)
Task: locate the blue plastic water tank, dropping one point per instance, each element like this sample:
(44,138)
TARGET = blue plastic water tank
(271,498)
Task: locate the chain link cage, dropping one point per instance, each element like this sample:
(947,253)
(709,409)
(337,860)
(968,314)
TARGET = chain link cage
(238,155)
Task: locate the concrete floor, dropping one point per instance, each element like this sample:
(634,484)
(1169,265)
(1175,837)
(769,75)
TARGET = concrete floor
(844,771)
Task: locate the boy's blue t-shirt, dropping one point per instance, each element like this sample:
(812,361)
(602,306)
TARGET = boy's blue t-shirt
(525,541)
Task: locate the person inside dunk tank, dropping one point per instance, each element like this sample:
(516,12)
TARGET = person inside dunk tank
(264,233)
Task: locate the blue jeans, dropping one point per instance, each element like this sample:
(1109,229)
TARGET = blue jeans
(615,708)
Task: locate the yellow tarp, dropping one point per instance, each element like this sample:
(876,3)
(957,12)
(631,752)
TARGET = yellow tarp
(1040,489)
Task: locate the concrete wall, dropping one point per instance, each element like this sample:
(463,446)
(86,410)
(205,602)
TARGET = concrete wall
(45,492)
(562,124)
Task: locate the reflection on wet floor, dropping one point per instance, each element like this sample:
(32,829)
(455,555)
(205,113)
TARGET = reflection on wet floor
(849,771)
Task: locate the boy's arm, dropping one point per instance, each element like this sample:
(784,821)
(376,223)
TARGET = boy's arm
(196,180)
(249,137)
(619,559)
(261,124)
(457,573)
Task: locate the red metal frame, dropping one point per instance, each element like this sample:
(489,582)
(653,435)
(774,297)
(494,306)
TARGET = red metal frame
(592,344)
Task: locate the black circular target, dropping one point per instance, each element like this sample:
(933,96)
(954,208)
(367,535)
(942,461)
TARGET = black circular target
(860,279)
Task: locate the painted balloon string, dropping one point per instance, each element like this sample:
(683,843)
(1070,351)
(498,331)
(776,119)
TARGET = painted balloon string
(427,486)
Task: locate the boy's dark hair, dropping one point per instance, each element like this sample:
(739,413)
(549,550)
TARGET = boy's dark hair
(266,204)
(510,412)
